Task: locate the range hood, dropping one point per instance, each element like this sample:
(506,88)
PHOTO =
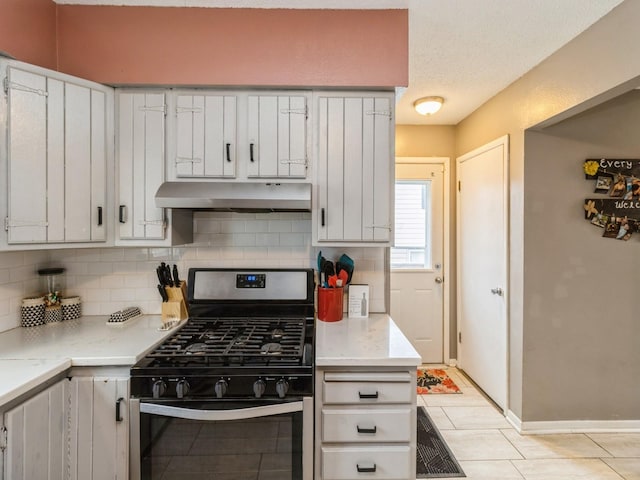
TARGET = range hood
(235,196)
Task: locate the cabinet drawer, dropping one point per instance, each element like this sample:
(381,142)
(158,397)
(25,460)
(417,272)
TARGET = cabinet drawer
(353,463)
(367,392)
(366,425)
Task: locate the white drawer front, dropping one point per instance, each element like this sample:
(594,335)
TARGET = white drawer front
(355,463)
(367,392)
(366,425)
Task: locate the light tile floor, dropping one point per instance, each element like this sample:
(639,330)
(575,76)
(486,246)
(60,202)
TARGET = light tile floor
(488,448)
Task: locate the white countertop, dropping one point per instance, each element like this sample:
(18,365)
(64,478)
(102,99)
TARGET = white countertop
(376,340)
(30,356)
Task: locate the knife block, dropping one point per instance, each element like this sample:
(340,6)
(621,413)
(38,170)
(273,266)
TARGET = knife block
(176,307)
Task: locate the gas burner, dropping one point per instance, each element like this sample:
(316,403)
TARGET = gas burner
(196,349)
(277,333)
(271,349)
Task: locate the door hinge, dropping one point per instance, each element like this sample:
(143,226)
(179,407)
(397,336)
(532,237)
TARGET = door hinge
(24,88)
(386,113)
(459,186)
(4,439)
(5,84)
(189,110)
(6,224)
(298,111)
(157,108)
(459,337)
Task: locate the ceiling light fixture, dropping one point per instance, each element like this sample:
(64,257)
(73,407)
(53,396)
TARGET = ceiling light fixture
(428,105)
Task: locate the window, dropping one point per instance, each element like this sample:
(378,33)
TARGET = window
(412,225)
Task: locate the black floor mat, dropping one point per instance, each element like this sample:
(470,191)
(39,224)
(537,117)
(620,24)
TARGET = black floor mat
(433,457)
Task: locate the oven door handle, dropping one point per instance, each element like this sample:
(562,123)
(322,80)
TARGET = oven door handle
(220,415)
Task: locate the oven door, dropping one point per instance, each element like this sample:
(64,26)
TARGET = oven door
(221,439)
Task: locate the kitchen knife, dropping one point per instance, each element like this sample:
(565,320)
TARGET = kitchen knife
(163,293)
(160,274)
(176,279)
(167,275)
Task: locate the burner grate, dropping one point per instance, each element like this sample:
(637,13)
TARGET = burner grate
(235,341)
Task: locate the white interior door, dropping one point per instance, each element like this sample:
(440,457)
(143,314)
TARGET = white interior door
(482,267)
(417,260)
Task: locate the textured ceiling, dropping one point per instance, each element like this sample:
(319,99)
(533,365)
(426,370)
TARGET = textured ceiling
(463,50)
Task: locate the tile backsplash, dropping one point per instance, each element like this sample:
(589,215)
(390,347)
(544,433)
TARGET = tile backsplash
(108,279)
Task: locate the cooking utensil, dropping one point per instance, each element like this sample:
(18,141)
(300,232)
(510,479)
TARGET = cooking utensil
(347,264)
(176,278)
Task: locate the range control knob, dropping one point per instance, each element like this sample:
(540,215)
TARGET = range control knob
(282,387)
(159,387)
(182,388)
(259,387)
(221,388)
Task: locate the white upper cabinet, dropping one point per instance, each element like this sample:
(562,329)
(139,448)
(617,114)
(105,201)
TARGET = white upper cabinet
(140,153)
(354,169)
(206,144)
(140,156)
(238,135)
(57,158)
(277,136)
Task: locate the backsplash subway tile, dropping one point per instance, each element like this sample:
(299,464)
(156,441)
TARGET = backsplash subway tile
(109,279)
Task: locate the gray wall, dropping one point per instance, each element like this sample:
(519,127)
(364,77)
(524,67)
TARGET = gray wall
(581,347)
(598,65)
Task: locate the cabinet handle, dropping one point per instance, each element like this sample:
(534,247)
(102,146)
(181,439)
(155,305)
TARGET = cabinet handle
(366,469)
(322,217)
(99,216)
(368,395)
(122,214)
(118,416)
(366,430)
(251,152)
(228,152)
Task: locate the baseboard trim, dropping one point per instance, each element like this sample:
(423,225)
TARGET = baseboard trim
(573,426)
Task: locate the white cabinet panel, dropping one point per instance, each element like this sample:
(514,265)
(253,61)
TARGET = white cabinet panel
(99,445)
(277,135)
(77,185)
(205,135)
(36,436)
(57,158)
(353,463)
(27,135)
(354,176)
(366,425)
(140,154)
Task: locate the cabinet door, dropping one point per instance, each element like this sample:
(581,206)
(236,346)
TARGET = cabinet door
(205,136)
(141,124)
(99,443)
(277,131)
(36,436)
(77,172)
(354,183)
(27,148)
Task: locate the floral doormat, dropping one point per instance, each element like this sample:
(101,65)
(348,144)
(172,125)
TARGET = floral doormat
(435,380)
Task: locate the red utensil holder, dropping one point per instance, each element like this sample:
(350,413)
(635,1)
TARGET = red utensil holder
(330,304)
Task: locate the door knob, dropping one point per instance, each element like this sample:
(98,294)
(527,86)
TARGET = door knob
(439,280)
(497,291)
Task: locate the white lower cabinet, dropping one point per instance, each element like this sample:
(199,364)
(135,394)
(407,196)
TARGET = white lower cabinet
(99,428)
(365,423)
(36,436)
(76,429)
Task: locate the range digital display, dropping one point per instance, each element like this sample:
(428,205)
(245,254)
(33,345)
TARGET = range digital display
(251,280)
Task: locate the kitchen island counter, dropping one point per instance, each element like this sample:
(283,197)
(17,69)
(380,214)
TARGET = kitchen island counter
(31,356)
(357,342)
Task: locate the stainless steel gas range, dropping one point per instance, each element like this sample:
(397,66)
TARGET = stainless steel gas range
(230,394)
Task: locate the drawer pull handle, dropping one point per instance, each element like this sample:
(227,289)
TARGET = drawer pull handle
(366,430)
(368,395)
(366,469)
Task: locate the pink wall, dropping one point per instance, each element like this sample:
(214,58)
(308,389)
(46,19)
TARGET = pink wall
(202,46)
(28,31)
